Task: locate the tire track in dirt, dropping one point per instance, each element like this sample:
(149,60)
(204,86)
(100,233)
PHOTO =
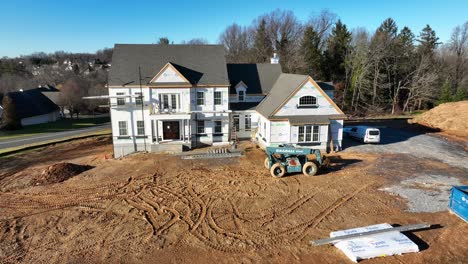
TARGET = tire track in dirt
(330,209)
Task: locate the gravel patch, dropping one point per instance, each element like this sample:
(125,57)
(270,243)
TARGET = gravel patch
(425,193)
(418,145)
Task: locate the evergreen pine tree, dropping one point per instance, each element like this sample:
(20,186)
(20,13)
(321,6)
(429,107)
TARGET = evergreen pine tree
(312,55)
(263,47)
(428,41)
(446,95)
(337,46)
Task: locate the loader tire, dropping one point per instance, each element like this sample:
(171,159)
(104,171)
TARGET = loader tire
(277,170)
(267,163)
(309,169)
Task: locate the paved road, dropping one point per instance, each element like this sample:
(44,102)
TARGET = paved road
(17,142)
(420,145)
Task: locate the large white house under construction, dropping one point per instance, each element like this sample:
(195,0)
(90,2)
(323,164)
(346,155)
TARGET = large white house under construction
(176,97)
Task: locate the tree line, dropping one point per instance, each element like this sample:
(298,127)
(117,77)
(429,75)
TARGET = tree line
(390,70)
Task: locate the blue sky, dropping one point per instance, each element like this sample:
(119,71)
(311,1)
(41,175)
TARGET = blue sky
(89,25)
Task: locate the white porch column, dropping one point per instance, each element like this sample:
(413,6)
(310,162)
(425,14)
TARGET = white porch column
(157,131)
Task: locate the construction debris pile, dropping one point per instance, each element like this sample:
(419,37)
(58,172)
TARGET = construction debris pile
(448,117)
(59,172)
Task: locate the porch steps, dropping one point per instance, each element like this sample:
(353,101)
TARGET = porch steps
(213,154)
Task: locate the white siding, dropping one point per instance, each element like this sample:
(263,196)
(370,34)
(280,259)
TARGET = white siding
(324,106)
(39,119)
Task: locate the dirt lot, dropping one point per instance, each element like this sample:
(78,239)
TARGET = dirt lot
(149,208)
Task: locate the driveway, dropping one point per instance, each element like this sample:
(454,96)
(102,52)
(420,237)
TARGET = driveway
(417,144)
(44,137)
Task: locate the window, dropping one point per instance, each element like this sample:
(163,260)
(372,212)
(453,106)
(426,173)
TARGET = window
(140,128)
(308,134)
(315,135)
(241,95)
(201,127)
(165,101)
(123,128)
(218,126)
(120,101)
(218,98)
(307,101)
(173,101)
(139,99)
(236,122)
(200,98)
(248,122)
(169,101)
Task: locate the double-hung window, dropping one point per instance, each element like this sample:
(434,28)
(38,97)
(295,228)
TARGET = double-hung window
(140,128)
(201,127)
(169,101)
(120,101)
(123,128)
(218,96)
(241,95)
(308,133)
(138,99)
(248,122)
(200,98)
(218,128)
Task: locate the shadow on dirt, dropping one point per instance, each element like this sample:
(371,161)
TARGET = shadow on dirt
(337,163)
(418,241)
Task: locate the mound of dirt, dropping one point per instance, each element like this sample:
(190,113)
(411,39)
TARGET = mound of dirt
(449,117)
(59,172)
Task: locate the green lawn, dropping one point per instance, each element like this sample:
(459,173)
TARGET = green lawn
(59,126)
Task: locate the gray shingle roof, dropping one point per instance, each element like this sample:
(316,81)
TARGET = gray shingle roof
(200,64)
(259,77)
(33,102)
(284,86)
(243,106)
(326,86)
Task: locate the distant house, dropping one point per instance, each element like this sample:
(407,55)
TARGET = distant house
(33,107)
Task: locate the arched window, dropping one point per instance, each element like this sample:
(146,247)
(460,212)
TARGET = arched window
(307,101)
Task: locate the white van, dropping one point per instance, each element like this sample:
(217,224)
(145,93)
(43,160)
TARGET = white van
(364,134)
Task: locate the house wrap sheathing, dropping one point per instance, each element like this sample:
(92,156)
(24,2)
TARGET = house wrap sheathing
(178,97)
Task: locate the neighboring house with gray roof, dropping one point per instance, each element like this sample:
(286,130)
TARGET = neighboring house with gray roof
(171,97)
(33,107)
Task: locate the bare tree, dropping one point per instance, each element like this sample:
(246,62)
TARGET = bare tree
(323,24)
(71,95)
(422,85)
(286,32)
(458,47)
(237,42)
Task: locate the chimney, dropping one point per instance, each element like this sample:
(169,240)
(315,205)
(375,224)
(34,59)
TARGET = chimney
(275,59)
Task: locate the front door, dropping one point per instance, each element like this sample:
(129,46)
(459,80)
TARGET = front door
(171,130)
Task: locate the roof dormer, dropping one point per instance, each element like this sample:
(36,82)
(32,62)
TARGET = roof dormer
(241,89)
